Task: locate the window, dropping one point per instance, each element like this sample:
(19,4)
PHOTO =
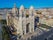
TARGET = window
(27,15)
(27,27)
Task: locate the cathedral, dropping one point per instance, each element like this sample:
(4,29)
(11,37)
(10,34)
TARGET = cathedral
(21,19)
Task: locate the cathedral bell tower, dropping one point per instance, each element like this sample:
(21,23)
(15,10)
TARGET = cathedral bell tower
(21,19)
(14,10)
(31,18)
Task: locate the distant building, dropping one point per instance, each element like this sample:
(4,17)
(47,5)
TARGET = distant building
(3,13)
(45,11)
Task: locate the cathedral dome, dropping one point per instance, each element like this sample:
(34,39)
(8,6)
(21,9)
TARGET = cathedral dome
(31,8)
(21,7)
(14,9)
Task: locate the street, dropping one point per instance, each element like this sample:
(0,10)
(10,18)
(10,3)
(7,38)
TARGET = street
(44,36)
(37,32)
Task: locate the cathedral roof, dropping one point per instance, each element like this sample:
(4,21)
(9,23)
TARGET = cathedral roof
(14,9)
(21,7)
(31,7)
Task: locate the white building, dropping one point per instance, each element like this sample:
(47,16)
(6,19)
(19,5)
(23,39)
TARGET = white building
(21,20)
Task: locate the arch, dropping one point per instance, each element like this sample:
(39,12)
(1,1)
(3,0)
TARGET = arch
(27,27)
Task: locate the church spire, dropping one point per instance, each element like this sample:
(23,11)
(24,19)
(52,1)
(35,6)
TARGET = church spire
(14,9)
(21,7)
(31,8)
(14,5)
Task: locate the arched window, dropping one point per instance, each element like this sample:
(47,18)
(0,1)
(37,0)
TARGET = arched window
(27,15)
(27,27)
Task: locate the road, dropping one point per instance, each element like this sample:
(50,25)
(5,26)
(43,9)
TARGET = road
(37,32)
(0,31)
(50,37)
(44,36)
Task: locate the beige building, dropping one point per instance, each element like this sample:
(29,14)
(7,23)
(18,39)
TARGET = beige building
(46,16)
(22,19)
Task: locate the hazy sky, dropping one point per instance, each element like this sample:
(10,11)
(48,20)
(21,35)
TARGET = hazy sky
(26,3)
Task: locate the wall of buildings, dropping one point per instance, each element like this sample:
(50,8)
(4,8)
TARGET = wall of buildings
(45,12)
(3,13)
(4,10)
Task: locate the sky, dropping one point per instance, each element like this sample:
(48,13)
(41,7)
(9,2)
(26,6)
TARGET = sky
(26,3)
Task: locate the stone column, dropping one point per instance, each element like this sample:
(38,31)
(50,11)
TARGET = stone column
(7,18)
(20,22)
(21,18)
(24,25)
(30,24)
(33,23)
